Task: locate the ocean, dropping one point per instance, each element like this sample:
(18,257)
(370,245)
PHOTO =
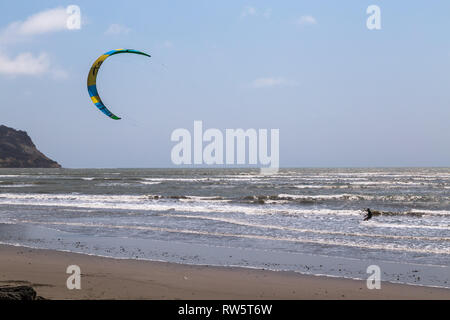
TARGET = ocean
(302,220)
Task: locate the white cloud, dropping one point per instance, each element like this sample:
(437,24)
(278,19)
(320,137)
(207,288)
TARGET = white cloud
(248,11)
(24,64)
(27,64)
(116,29)
(51,20)
(306,20)
(270,82)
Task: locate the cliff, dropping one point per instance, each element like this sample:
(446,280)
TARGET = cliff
(17,150)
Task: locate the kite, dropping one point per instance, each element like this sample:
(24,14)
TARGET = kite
(92,79)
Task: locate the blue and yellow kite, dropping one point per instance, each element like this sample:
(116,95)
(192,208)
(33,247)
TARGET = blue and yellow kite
(92,79)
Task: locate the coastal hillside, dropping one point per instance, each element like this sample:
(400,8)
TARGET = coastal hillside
(17,150)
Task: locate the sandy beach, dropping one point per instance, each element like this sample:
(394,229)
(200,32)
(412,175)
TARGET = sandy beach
(106,278)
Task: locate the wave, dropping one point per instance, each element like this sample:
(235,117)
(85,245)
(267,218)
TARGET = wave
(405,226)
(153,203)
(385,174)
(12,176)
(392,183)
(119,182)
(283,198)
(187,198)
(344,196)
(431,212)
(303,230)
(315,186)
(356,197)
(360,244)
(175,179)
(195,204)
(18,185)
(114,184)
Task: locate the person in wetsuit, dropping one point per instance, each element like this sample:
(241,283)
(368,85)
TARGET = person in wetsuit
(368,215)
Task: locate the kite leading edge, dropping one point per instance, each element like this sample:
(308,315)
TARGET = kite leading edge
(92,79)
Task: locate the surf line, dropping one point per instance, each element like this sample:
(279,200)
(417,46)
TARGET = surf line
(235,147)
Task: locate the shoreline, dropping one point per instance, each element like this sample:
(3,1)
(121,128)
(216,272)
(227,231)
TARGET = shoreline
(110,278)
(238,267)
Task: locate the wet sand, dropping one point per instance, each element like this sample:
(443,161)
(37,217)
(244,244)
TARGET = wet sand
(106,278)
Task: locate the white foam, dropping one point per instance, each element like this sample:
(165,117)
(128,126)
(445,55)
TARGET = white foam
(359,244)
(345,196)
(22,185)
(303,230)
(431,212)
(190,204)
(315,186)
(405,226)
(358,197)
(11,176)
(144,203)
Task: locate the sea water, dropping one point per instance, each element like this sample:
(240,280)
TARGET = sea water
(302,220)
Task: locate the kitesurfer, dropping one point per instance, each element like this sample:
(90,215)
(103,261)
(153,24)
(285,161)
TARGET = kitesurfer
(369,215)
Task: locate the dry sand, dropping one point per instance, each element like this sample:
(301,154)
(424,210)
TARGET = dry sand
(106,278)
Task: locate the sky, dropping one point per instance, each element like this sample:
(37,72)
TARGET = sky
(340,94)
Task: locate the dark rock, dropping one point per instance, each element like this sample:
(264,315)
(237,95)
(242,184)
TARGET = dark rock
(17,293)
(17,150)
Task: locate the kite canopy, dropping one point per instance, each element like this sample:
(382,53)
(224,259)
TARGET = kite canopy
(92,79)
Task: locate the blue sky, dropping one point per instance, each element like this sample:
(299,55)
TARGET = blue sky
(340,94)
